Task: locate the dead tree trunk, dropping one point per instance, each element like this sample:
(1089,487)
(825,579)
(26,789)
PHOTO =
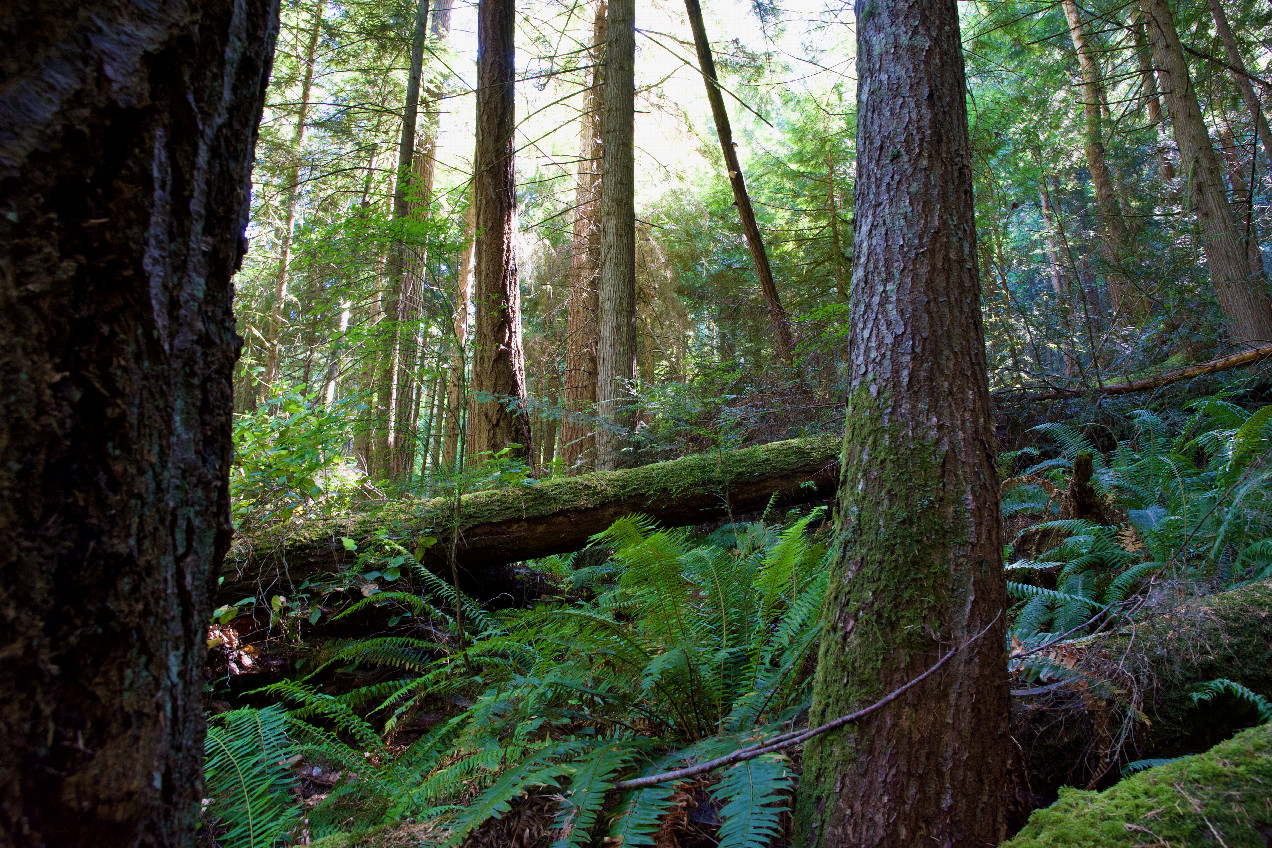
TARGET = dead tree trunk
(754,240)
(502,526)
(126,136)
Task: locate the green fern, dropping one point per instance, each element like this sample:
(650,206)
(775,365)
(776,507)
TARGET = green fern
(248,780)
(757,792)
(1223,686)
(592,778)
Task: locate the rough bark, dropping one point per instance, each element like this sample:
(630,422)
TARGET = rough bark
(616,347)
(459,357)
(1112,225)
(578,430)
(1241,290)
(501,526)
(500,416)
(916,566)
(126,136)
(741,199)
(1232,51)
(273,330)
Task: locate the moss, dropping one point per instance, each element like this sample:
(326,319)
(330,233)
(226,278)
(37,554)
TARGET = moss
(1221,797)
(902,526)
(650,484)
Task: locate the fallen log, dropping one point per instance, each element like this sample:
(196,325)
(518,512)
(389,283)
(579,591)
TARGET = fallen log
(1213,366)
(502,526)
(1219,795)
(1130,697)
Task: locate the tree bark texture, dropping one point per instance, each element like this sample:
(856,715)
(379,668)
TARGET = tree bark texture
(578,428)
(459,353)
(273,330)
(1116,238)
(1241,290)
(500,415)
(126,136)
(754,240)
(616,346)
(916,566)
(1232,51)
(508,525)
(1238,164)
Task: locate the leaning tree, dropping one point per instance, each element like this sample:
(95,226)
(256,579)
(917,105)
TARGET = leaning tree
(126,136)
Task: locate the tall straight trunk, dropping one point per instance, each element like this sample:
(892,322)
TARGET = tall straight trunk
(1150,96)
(842,274)
(500,415)
(1238,165)
(578,430)
(1059,284)
(1232,51)
(616,346)
(273,330)
(1115,246)
(754,240)
(917,565)
(335,359)
(396,388)
(1241,290)
(459,360)
(127,131)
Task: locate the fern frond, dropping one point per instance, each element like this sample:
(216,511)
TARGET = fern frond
(1024,590)
(248,780)
(1221,686)
(541,769)
(757,793)
(592,778)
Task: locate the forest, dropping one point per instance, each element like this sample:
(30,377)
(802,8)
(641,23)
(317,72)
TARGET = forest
(583,423)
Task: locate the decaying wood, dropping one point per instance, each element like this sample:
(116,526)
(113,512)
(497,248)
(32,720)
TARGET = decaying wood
(1252,356)
(547,517)
(1071,734)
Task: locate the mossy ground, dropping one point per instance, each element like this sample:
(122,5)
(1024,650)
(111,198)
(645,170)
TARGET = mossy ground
(1222,798)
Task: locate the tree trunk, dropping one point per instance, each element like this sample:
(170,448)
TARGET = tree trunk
(273,330)
(1238,166)
(455,377)
(1232,51)
(501,417)
(917,565)
(754,241)
(1241,290)
(1116,239)
(1059,284)
(843,275)
(126,135)
(1151,98)
(517,523)
(578,430)
(397,380)
(616,348)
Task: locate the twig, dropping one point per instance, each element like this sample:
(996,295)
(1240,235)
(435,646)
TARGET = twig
(795,737)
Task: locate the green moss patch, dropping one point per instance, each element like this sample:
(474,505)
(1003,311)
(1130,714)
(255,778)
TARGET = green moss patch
(1221,797)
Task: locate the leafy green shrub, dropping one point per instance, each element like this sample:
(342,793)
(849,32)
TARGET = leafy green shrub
(287,456)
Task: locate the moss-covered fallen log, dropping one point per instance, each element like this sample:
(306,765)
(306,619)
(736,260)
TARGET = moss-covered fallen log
(1132,690)
(547,517)
(1220,797)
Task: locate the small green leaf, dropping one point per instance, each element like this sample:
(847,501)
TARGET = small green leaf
(348,543)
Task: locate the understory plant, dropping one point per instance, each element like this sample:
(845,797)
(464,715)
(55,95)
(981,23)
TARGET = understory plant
(1188,509)
(668,652)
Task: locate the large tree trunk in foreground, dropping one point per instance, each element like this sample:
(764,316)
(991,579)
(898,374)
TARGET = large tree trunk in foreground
(754,240)
(1068,735)
(1241,289)
(500,418)
(552,516)
(917,564)
(578,428)
(126,135)
(616,347)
